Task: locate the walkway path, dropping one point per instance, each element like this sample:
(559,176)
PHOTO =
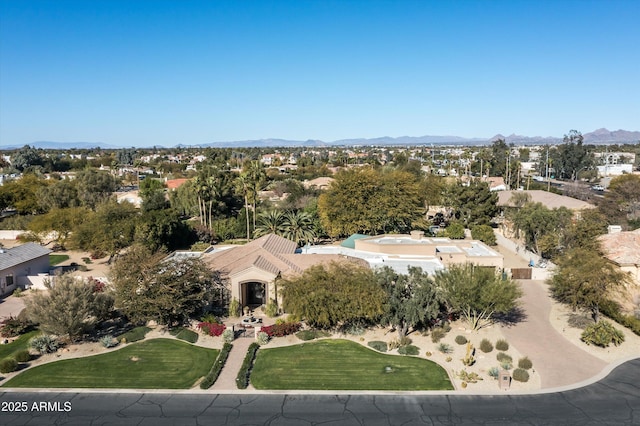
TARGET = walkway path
(558,361)
(227,379)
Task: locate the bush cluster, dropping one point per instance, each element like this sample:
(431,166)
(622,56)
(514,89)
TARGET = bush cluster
(313,334)
(486,346)
(602,334)
(525,363)
(22,356)
(378,345)
(12,327)
(211,329)
(502,345)
(408,350)
(437,334)
(213,374)
(242,380)
(281,330)
(503,357)
(134,335)
(44,344)
(461,340)
(612,310)
(8,365)
(520,375)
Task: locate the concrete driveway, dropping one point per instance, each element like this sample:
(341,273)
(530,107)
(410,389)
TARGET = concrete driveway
(10,306)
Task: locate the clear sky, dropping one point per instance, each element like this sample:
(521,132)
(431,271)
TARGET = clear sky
(142,73)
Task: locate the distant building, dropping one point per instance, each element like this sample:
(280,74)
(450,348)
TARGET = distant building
(19,262)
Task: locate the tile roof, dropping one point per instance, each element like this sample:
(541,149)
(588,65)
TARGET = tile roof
(548,199)
(622,248)
(20,254)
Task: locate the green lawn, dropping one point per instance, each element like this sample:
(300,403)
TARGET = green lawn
(343,365)
(21,343)
(151,364)
(54,259)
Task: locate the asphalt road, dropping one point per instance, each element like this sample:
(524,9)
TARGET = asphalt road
(614,400)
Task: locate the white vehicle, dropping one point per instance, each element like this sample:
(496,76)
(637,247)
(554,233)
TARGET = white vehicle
(597,188)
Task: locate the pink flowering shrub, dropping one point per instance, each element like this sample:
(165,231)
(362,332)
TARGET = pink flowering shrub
(280,330)
(211,329)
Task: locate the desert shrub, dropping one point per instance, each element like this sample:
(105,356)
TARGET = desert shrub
(228,335)
(469,377)
(185,334)
(408,350)
(22,356)
(15,326)
(520,375)
(448,359)
(313,334)
(108,341)
(8,365)
(262,338)
(354,329)
(461,340)
(437,334)
(525,363)
(283,329)
(602,334)
(211,329)
(428,353)
(393,344)
(502,345)
(213,374)
(271,309)
(378,345)
(445,348)
(612,310)
(135,334)
(494,372)
(405,340)
(17,292)
(506,365)
(242,380)
(234,308)
(503,357)
(44,344)
(579,321)
(486,346)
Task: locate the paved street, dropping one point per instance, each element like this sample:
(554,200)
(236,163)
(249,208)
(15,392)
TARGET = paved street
(615,400)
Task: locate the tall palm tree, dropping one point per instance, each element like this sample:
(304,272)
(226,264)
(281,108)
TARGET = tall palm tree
(242,187)
(299,226)
(270,222)
(256,175)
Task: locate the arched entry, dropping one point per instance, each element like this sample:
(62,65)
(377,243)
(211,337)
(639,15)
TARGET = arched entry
(253,294)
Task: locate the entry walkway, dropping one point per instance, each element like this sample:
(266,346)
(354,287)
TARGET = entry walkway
(227,379)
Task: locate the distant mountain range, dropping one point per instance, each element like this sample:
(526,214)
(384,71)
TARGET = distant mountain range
(600,136)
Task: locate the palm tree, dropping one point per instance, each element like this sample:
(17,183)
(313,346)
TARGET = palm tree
(242,187)
(299,227)
(270,222)
(256,175)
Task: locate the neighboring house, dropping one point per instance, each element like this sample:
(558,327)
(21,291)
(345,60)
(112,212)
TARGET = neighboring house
(318,183)
(548,199)
(623,249)
(173,184)
(252,269)
(19,262)
(132,197)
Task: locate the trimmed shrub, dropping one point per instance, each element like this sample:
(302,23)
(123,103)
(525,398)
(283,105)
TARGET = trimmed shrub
(445,348)
(22,356)
(8,365)
(461,340)
(108,341)
(503,357)
(520,375)
(242,380)
(486,346)
(213,374)
(271,309)
(525,363)
(437,334)
(228,335)
(211,329)
(378,345)
(262,338)
(502,345)
(494,372)
(484,233)
(602,334)
(408,350)
(135,334)
(44,344)
(281,330)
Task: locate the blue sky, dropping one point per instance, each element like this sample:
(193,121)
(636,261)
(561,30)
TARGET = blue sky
(141,73)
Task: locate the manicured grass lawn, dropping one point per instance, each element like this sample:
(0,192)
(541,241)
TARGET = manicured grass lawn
(21,343)
(151,364)
(54,259)
(343,365)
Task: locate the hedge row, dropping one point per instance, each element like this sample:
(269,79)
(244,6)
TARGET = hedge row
(213,374)
(242,380)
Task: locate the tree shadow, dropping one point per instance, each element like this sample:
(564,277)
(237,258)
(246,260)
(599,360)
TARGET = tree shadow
(511,318)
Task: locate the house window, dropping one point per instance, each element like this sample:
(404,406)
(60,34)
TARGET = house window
(9,280)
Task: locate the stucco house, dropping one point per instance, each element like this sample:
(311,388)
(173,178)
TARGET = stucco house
(19,262)
(252,269)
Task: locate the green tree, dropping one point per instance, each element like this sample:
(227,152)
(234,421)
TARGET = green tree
(61,194)
(621,203)
(328,296)
(572,157)
(484,233)
(152,192)
(148,287)
(71,307)
(412,299)
(58,224)
(584,279)
(476,293)
(162,229)
(27,158)
(543,228)
(94,187)
(299,227)
(270,222)
(22,194)
(474,204)
(455,231)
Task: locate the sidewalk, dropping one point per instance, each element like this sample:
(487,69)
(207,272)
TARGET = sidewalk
(227,379)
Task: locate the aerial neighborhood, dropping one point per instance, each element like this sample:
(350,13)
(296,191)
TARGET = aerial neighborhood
(480,268)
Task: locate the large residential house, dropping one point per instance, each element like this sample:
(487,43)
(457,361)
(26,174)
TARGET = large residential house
(19,262)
